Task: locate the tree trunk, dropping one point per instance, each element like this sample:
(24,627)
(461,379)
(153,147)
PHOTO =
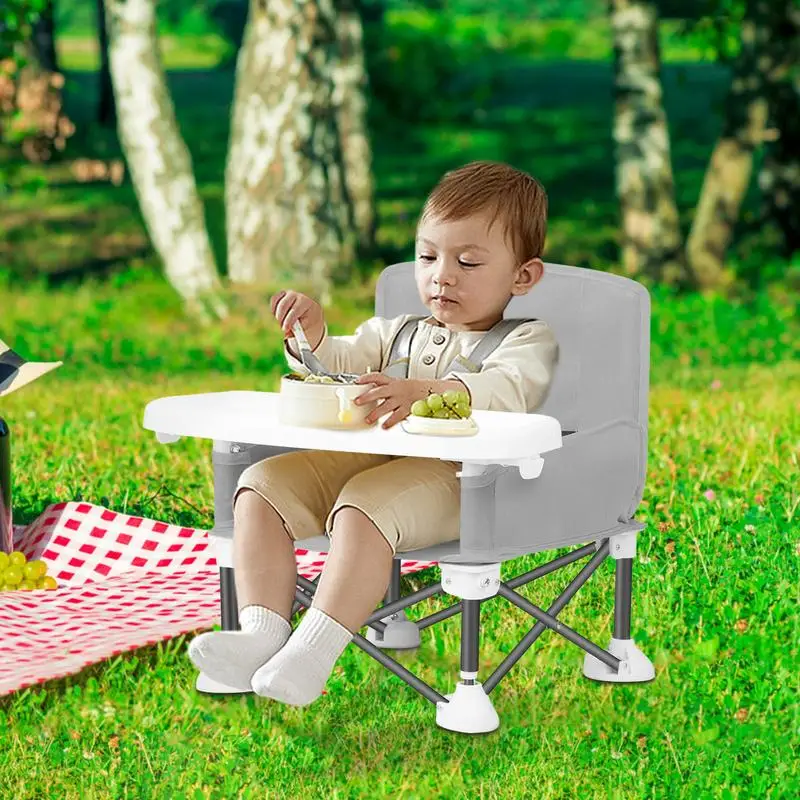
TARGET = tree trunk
(652,243)
(350,98)
(106,109)
(158,159)
(779,179)
(287,212)
(728,174)
(44,42)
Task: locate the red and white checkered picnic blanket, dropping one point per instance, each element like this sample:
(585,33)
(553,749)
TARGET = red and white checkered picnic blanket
(123,582)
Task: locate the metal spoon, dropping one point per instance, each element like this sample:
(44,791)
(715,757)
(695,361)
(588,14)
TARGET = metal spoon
(312,363)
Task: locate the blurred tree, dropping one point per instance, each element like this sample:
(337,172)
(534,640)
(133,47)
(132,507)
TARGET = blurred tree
(761,59)
(652,242)
(289,210)
(106,109)
(779,178)
(44,41)
(31,104)
(350,100)
(158,159)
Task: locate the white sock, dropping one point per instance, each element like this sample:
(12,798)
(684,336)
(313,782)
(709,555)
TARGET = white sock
(231,657)
(298,673)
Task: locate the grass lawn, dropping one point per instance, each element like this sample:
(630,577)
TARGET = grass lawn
(717,571)
(714,603)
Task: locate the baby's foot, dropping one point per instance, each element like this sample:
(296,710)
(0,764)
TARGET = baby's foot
(232,657)
(298,674)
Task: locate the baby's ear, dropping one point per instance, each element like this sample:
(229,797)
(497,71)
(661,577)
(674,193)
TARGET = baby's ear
(530,273)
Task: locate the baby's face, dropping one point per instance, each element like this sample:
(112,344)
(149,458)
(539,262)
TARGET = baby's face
(466,273)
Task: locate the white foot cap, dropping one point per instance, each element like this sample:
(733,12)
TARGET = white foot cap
(208,685)
(400,633)
(469,710)
(635,666)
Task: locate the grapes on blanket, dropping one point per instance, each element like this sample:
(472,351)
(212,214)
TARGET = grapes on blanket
(12,575)
(34,570)
(18,574)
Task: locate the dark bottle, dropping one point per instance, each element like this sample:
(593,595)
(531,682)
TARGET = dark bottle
(6,530)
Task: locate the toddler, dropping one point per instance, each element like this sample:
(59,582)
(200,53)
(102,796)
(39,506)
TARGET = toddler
(479,243)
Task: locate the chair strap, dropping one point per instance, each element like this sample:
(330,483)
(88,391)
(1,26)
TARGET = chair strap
(400,351)
(486,346)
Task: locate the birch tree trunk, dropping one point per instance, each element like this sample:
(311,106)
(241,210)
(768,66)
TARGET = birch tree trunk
(350,98)
(730,168)
(158,159)
(652,242)
(779,179)
(286,199)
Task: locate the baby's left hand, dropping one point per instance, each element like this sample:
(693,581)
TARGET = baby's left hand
(397,395)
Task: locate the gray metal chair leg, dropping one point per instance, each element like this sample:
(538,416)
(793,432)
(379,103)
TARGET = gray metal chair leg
(229,614)
(635,666)
(400,632)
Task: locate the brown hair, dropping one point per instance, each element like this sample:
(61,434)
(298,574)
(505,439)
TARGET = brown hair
(520,199)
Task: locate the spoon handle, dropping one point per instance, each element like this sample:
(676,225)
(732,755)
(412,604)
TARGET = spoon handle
(300,337)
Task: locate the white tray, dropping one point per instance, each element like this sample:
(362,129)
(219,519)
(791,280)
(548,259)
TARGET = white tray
(252,417)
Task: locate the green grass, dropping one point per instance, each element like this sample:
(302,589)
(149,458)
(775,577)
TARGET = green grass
(714,602)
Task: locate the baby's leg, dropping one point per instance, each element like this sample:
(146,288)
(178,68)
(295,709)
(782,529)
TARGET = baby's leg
(355,578)
(404,504)
(301,488)
(266,575)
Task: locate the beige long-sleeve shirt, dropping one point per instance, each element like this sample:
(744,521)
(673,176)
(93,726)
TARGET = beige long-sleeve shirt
(515,377)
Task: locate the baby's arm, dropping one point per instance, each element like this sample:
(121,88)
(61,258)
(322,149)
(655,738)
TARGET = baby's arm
(517,375)
(358,353)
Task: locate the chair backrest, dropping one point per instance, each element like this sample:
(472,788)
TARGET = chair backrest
(602,324)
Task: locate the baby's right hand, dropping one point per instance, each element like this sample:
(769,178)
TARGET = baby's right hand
(290,307)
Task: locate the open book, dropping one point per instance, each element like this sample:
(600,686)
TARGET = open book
(16,372)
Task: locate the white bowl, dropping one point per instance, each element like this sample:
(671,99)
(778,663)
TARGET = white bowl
(317,405)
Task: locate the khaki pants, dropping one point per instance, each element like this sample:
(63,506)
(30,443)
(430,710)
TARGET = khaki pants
(414,502)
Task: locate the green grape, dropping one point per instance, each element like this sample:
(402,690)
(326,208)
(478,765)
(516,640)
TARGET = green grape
(435,402)
(3,560)
(34,570)
(451,397)
(463,397)
(463,410)
(12,575)
(17,558)
(27,586)
(420,409)
(441,413)
(48,582)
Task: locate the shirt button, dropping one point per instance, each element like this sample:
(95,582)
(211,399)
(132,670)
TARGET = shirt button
(429,359)
(438,338)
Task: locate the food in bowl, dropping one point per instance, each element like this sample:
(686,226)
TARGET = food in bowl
(322,402)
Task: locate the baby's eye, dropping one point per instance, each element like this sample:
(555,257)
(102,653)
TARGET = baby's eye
(426,257)
(467,263)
